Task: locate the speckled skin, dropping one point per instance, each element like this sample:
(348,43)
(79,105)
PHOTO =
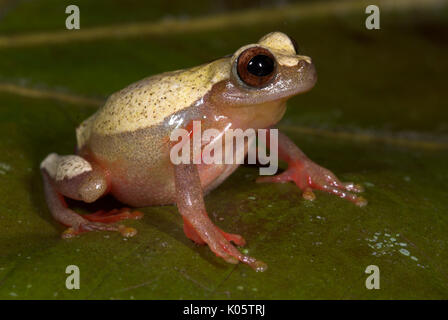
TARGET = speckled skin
(127,143)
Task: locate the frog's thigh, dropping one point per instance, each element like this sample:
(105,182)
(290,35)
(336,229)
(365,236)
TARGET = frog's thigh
(74,177)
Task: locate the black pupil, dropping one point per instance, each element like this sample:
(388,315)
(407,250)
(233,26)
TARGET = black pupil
(260,65)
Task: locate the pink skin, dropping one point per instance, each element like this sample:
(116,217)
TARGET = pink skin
(307,175)
(136,169)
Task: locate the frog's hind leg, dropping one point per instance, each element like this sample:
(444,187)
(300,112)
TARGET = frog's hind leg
(74,177)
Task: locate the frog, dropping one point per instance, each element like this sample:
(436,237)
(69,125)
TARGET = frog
(123,149)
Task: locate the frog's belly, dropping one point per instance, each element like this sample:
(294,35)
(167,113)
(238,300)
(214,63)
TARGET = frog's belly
(141,172)
(156,186)
(143,181)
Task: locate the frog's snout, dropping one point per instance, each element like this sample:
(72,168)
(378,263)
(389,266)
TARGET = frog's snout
(307,75)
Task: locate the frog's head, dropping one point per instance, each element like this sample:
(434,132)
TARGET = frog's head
(267,71)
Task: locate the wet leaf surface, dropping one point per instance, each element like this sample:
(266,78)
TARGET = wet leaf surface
(390,82)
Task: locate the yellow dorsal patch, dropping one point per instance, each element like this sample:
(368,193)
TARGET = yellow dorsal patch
(149,101)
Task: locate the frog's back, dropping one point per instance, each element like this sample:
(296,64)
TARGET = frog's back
(149,101)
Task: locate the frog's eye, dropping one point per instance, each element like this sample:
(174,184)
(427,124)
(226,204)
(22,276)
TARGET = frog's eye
(255,66)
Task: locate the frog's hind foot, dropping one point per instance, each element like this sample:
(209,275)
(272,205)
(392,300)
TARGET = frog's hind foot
(103,221)
(72,232)
(114,215)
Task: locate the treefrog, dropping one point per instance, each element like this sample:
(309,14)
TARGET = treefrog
(123,149)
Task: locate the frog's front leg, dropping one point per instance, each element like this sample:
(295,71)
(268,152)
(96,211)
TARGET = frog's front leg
(198,226)
(74,177)
(308,175)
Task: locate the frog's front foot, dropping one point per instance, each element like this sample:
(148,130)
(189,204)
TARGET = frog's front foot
(235,238)
(222,247)
(205,232)
(307,175)
(219,243)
